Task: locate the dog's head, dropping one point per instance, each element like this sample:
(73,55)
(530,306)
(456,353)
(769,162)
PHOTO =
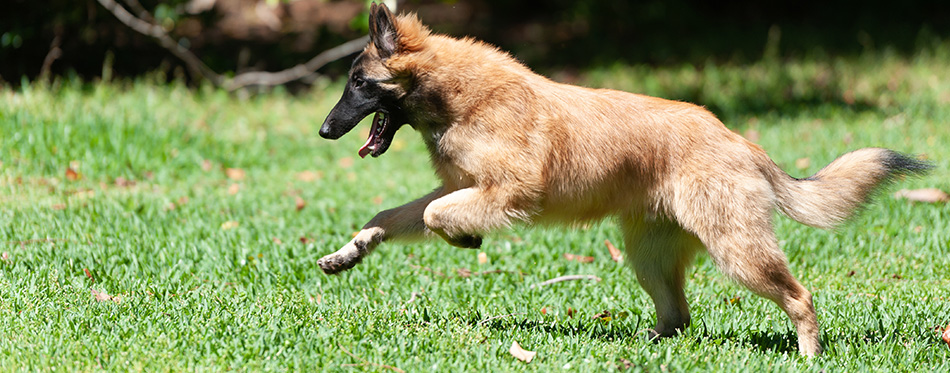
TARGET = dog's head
(374,86)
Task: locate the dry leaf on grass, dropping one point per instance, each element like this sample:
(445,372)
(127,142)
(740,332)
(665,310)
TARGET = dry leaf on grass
(802,163)
(579,258)
(234,189)
(520,353)
(5,256)
(615,254)
(482,258)
(930,195)
(123,182)
(309,176)
(102,296)
(236,174)
(946,335)
(299,203)
(734,301)
(625,364)
(751,135)
(230,224)
(174,205)
(603,316)
(206,165)
(346,162)
(72,175)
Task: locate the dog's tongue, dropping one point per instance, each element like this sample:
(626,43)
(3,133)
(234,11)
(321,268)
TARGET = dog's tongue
(370,144)
(367,147)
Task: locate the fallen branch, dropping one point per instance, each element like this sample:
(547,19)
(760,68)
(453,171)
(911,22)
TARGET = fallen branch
(200,69)
(566,278)
(137,7)
(193,62)
(412,297)
(384,366)
(300,71)
(54,53)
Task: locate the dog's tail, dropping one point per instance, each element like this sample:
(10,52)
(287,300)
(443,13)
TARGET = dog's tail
(837,192)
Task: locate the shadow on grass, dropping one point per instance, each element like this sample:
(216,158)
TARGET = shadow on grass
(787,342)
(770,342)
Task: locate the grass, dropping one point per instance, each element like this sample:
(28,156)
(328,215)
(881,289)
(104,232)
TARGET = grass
(215,269)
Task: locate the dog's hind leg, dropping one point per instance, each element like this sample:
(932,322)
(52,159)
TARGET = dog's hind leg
(660,252)
(733,220)
(400,223)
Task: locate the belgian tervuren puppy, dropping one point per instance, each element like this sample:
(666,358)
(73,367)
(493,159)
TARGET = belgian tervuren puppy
(513,146)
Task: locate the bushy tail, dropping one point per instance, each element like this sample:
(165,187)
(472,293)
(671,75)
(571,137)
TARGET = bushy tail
(837,192)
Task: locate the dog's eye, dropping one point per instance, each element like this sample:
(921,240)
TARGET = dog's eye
(358,82)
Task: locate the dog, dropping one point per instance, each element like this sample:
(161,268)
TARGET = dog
(512,146)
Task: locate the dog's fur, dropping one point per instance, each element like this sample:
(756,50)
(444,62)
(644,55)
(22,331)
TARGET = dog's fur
(512,146)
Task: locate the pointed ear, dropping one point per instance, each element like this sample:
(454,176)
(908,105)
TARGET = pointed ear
(382,30)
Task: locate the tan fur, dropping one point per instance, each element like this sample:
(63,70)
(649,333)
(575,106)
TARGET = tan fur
(513,146)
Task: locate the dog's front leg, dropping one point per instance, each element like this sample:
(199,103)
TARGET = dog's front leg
(400,223)
(462,216)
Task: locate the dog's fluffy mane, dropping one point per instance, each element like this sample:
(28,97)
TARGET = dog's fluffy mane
(414,40)
(412,33)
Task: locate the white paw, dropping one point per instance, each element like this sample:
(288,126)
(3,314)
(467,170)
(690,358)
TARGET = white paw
(341,260)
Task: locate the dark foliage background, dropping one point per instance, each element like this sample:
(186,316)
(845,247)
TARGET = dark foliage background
(554,35)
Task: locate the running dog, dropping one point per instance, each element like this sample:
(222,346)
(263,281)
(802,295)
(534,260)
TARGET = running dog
(512,146)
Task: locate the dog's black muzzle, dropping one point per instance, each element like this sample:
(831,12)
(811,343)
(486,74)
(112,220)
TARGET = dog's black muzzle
(348,112)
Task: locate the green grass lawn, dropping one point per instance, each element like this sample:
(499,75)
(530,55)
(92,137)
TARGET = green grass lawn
(202,216)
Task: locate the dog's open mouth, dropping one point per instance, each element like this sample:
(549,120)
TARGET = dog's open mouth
(380,135)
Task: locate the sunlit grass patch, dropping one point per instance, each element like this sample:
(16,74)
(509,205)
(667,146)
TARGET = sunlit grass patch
(184,207)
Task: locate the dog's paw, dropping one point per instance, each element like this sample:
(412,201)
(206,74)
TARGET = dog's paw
(344,259)
(333,263)
(465,242)
(351,254)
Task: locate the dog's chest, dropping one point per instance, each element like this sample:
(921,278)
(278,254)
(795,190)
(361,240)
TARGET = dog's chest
(445,156)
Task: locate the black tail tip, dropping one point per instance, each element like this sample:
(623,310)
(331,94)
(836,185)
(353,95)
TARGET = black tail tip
(905,164)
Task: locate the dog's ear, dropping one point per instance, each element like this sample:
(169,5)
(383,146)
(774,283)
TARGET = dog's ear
(382,30)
